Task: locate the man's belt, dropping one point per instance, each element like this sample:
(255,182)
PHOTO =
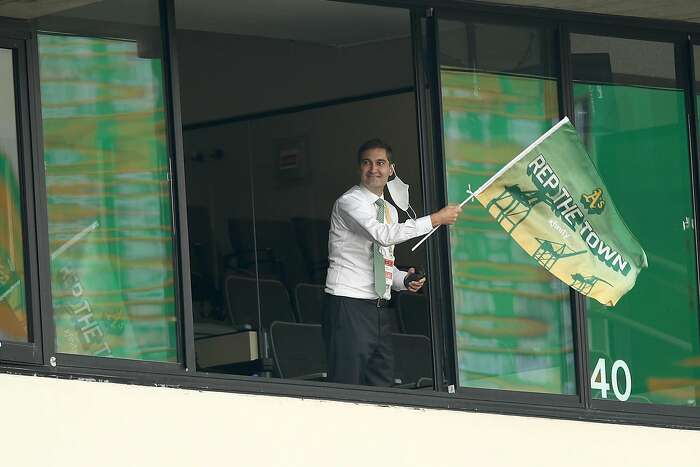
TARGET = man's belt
(378,302)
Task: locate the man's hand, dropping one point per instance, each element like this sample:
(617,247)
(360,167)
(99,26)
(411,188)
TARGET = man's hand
(414,286)
(445,216)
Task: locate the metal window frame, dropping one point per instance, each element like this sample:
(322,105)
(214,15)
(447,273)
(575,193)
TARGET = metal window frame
(558,61)
(684,78)
(56,362)
(182,375)
(15,38)
(433,193)
(634,29)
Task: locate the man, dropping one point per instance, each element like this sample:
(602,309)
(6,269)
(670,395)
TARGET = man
(357,326)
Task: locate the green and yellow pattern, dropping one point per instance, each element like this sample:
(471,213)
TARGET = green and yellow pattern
(109,204)
(552,202)
(512,318)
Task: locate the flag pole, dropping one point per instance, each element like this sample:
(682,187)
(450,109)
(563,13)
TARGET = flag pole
(74,239)
(471,196)
(488,182)
(58,252)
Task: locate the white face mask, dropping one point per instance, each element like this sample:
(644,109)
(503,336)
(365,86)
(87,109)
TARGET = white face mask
(399,193)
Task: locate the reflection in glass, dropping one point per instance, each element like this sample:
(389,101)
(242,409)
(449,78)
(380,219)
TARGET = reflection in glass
(13,311)
(513,320)
(602,59)
(637,136)
(263,172)
(110,225)
(496,48)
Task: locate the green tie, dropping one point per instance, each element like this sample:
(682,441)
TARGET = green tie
(377,257)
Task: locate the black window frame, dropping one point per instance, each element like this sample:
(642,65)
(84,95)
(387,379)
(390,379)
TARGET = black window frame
(16,39)
(45,362)
(442,244)
(684,75)
(684,78)
(52,358)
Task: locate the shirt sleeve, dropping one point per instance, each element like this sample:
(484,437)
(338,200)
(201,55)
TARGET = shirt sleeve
(398,276)
(362,218)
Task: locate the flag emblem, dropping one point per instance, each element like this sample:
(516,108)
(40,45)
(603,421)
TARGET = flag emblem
(593,202)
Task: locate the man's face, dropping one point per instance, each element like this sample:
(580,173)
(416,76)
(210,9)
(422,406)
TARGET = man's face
(375,169)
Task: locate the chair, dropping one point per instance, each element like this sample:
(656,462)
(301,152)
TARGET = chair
(202,262)
(298,351)
(309,302)
(413,313)
(274,245)
(413,361)
(312,235)
(242,301)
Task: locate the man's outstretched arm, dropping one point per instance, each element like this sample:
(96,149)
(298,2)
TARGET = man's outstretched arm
(364,217)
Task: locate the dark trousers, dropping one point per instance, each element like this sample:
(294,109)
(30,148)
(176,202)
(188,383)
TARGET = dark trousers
(357,335)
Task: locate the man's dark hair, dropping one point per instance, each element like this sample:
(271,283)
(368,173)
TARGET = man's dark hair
(375,143)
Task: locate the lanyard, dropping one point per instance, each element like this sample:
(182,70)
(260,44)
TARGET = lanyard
(387,213)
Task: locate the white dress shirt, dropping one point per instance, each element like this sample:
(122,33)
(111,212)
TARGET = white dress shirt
(354,227)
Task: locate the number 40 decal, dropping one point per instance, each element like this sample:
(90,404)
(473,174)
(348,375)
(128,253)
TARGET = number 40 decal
(599,379)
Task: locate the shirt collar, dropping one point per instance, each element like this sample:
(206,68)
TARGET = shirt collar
(371,197)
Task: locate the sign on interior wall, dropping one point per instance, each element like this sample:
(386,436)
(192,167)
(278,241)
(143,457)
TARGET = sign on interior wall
(291,156)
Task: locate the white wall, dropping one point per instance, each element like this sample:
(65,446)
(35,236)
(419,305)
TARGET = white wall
(56,423)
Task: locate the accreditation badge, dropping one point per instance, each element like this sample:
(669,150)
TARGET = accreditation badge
(389,271)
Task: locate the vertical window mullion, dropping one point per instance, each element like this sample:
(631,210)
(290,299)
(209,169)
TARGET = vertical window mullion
(578,304)
(40,206)
(177,183)
(20,309)
(426,87)
(689,74)
(24,135)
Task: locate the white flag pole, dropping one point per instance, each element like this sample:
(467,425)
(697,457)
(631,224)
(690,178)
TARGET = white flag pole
(74,239)
(510,164)
(471,196)
(58,252)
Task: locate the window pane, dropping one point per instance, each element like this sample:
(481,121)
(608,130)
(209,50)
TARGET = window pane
(513,319)
(496,48)
(13,307)
(277,96)
(599,59)
(696,63)
(109,204)
(637,136)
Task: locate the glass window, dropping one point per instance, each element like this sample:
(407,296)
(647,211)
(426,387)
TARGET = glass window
(633,123)
(13,305)
(496,48)
(623,61)
(108,191)
(512,318)
(276,99)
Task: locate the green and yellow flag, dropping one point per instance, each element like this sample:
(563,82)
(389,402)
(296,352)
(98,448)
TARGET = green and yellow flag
(553,203)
